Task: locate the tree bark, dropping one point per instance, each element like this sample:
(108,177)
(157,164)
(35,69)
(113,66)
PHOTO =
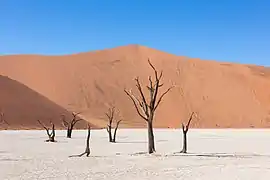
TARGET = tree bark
(184,149)
(109,130)
(151,139)
(115,130)
(52,134)
(110,136)
(114,137)
(87,149)
(69,132)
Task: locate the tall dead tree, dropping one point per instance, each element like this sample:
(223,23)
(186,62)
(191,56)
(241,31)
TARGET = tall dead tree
(146,110)
(185,131)
(51,135)
(111,116)
(87,149)
(69,125)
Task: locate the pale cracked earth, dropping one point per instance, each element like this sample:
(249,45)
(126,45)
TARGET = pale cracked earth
(213,155)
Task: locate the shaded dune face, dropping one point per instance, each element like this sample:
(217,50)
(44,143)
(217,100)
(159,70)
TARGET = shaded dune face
(22,107)
(222,94)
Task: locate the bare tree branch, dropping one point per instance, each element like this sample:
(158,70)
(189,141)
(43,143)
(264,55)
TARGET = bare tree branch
(115,130)
(190,118)
(75,121)
(154,90)
(51,135)
(64,122)
(183,127)
(75,114)
(47,129)
(142,95)
(160,99)
(135,104)
(118,122)
(110,114)
(156,74)
(69,125)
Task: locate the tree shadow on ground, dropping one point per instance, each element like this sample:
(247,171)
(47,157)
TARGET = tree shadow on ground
(131,142)
(219,155)
(139,142)
(13,159)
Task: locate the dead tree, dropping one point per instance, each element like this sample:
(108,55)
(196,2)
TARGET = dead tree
(2,118)
(111,116)
(87,149)
(51,134)
(146,110)
(185,131)
(69,125)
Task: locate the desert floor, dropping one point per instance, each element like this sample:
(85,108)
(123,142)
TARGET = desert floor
(213,154)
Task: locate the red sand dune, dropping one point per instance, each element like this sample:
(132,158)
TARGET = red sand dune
(22,107)
(223,94)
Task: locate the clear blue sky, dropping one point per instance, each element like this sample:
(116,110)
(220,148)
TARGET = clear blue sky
(227,30)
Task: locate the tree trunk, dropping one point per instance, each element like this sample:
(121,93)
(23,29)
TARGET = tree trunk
(184,150)
(69,132)
(114,135)
(110,134)
(151,140)
(110,137)
(87,149)
(51,139)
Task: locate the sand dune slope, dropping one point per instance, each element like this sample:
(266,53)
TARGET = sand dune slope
(222,94)
(22,107)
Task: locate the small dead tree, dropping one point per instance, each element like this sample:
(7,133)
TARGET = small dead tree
(146,110)
(69,125)
(51,134)
(185,131)
(2,118)
(111,115)
(87,149)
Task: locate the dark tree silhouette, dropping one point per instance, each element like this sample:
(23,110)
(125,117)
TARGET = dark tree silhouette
(51,134)
(185,131)
(111,116)
(146,110)
(87,149)
(69,125)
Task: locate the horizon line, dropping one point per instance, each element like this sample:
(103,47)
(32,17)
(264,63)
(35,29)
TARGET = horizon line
(129,45)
